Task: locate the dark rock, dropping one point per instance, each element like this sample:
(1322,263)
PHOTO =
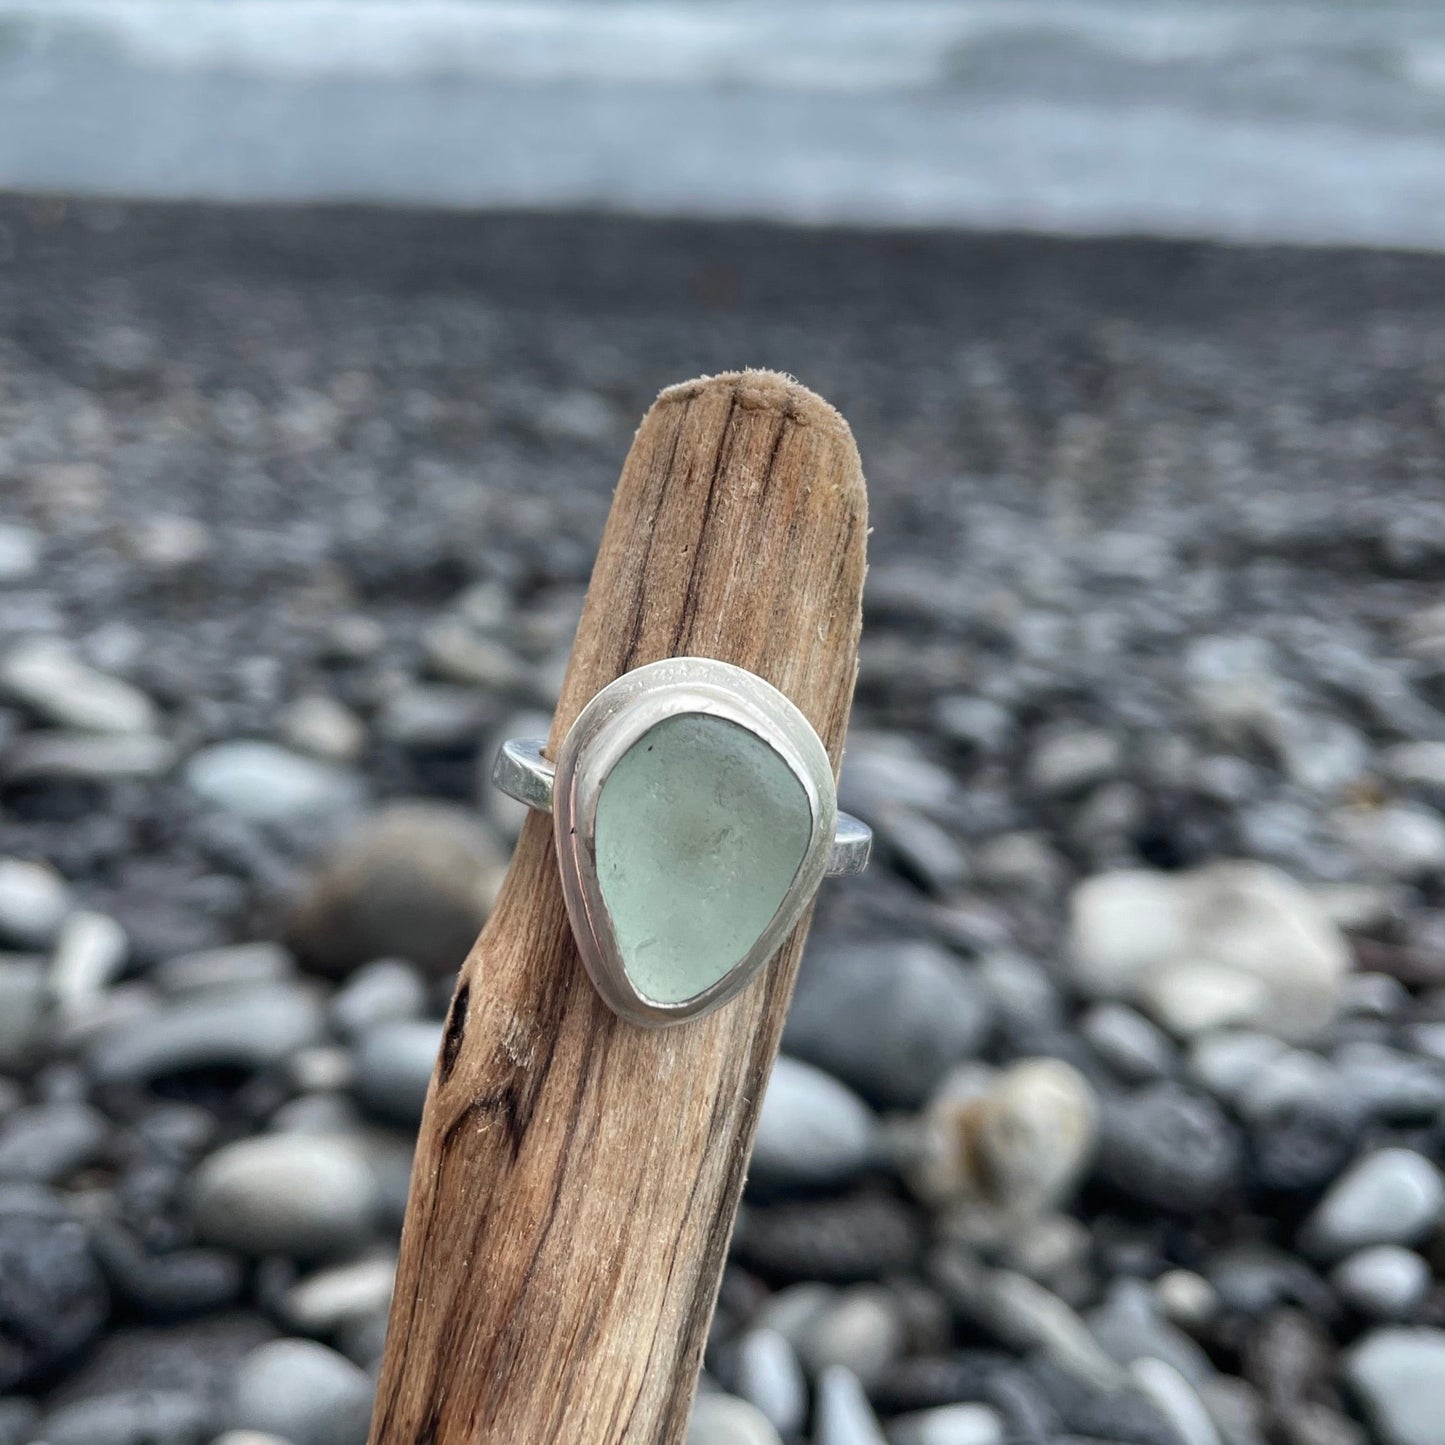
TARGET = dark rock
(1169,1148)
(53,1299)
(414,882)
(165,1286)
(861,1237)
(394,1063)
(889,1019)
(45,1143)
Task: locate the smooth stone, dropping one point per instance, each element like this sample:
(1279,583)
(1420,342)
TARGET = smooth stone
(329,1298)
(1133,1048)
(394,1063)
(20,549)
(89,954)
(179,1282)
(768,1375)
(948,1425)
(414,881)
(1068,759)
(433,716)
(24,1012)
(45,1143)
(700,829)
(812,1130)
(34,902)
(1129,1327)
(380,992)
(1229,943)
(723,1420)
(322,727)
(1393,1196)
(250,1437)
(299,1195)
(238,965)
(1401,840)
(1227,1063)
(132,1417)
(888,1019)
(1389,1084)
(1383,1282)
(1399,1375)
(46,676)
(1169,1148)
(59,756)
(303,1392)
(267,784)
(841,1412)
(247,1028)
(18,1421)
(1177,1400)
(861,1330)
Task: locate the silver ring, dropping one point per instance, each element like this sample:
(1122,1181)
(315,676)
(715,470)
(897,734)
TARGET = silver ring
(695,815)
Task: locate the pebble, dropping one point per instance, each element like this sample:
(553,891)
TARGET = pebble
(1399,1375)
(18,1421)
(25,1006)
(302,1391)
(1068,759)
(34,902)
(1383,1282)
(948,1425)
(1169,1148)
(89,954)
(889,1019)
(812,1130)
(415,881)
(263,783)
(132,1417)
(247,1028)
(861,1329)
(249,1437)
(383,991)
(323,1301)
(857,1237)
(1132,1047)
(434,716)
(1177,1400)
(46,1143)
(769,1376)
(1389,1084)
(322,727)
(238,966)
(1129,1327)
(53,1299)
(1393,1196)
(842,1414)
(1400,840)
(1236,943)
(45,675)
(169,1285)
(299,1195)
(723,1420)
(20,549)
(394,1063)
(58,756)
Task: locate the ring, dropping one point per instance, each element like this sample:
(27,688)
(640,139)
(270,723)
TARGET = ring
(695,815)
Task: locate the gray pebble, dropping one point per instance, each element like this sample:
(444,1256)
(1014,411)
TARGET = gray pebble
(1227,1063)
(861,1330)
(722,1420)
(842,1414)
(769,1376)
(1399,1375)
(394,1063)
(1169,1148)
(1177,1400)
(230,967)
(323,728)
(18,1421)
(812,1130)
(1393,1196)
(24,1012)
(250,1028)
(1127,1042)
(302,1391)
(89,955)
(179,1282)
(1390,1085)
(34,901)
(46,1143)
(948,1425)
(1069,759)
(440,715)
(382,991)
(1129,1327)
(888,1019)
(292,1194)
(267,784)
(45,675)
(19,552)
(249,1437)
(132,1417)
(331,1297)
(57,756)
(1383,1282)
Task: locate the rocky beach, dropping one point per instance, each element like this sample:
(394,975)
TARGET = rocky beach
(1112,1100)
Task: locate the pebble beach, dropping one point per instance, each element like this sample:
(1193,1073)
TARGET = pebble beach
(1112,1100)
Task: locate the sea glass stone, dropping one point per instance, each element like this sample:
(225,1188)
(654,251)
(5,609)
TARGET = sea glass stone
(700,829)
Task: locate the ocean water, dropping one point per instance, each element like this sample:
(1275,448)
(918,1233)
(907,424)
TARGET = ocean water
(1309,122)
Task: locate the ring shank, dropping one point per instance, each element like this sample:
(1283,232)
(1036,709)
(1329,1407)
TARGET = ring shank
(523,772)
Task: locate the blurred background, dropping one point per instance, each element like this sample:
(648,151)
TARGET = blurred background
(1112,1105)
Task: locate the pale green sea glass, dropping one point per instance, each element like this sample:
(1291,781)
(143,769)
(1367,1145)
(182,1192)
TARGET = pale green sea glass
(700,830)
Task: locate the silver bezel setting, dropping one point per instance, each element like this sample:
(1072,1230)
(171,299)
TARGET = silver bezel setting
(605,730)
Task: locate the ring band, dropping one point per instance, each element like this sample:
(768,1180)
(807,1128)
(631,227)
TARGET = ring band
(694,814)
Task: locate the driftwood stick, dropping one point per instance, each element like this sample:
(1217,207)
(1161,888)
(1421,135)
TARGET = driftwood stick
(576,1177)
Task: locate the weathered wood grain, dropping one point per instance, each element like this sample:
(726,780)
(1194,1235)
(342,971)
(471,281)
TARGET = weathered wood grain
(576,1177)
